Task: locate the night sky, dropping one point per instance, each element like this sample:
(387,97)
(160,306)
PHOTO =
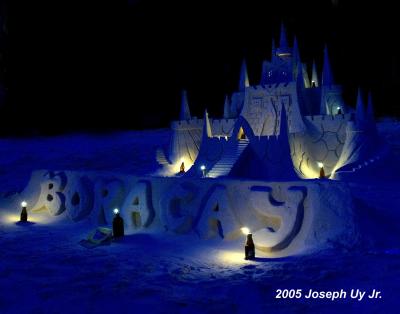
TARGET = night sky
(121,65)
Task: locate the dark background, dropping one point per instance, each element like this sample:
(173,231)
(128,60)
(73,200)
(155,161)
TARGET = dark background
(101,66)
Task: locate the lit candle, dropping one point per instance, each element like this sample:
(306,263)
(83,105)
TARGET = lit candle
(249,248)
(321,170)
(118,224)
(24,213)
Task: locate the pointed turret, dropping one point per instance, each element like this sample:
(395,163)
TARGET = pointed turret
(360,114)
(327,78)
(206,126)
(185,111)
(314,75)
(283,39)
(282,169)
(227,111)
(244,78)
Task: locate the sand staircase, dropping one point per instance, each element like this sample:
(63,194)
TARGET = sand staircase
(224,166)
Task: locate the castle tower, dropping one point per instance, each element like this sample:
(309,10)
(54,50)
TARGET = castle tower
(331,94)
(266,71)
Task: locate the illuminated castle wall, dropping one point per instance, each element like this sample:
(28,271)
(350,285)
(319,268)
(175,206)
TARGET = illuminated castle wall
(317,120)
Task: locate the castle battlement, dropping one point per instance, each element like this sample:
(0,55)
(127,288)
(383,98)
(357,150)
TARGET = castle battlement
(192,124)
(330,123)
(272,88)
(328,118)
(222,127)
(219,127)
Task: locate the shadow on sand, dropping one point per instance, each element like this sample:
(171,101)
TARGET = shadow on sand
(137,238)
(25,223)
(273,259)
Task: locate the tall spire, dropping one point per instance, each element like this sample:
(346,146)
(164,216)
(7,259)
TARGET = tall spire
(206,126)
(327,78)
(227,113)
(314,75)
(360,114)
(244,78)
(185,111)
(283,40)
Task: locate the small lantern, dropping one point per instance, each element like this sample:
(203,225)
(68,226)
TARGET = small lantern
(321,170)
(24,213)
(339,110)
(249,248)
(203,170)
(118,225)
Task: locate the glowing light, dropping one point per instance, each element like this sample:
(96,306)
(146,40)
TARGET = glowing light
(37,218)
(320,164)
(231,257)
(203,167)
(116,211)
(245,230)
(338,108)
(182,160)
(10,218)
(24,204)
(226,138)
